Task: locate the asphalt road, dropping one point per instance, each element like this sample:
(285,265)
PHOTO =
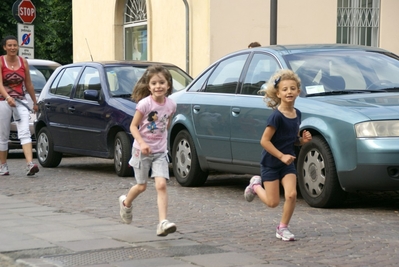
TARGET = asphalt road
(363,232)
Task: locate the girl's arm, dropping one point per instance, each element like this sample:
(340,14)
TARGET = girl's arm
(29,84)
(306,137)
(269,147)
(134,129)
(170,118)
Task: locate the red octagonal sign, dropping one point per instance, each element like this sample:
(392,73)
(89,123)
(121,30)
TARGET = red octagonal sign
(26,11)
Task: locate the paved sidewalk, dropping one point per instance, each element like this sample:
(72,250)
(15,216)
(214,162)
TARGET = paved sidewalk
(41,236)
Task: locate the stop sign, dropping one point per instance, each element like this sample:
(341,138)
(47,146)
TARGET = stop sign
(26,11)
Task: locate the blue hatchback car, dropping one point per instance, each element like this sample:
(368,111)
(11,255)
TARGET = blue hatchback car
(349,102)
(85,109)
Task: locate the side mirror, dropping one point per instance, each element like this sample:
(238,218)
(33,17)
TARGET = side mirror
(91,95)
(262,90)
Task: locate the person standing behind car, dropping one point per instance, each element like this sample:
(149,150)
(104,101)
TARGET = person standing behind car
(254,44)
(278,155)
(14,73)
(149,128)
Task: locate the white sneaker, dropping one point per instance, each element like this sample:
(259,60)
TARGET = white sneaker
(4,169)
(125,212)
(284,234)
(249,192)
(165,227)
(31,169)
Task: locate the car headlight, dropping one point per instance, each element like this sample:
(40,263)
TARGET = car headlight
(377,129)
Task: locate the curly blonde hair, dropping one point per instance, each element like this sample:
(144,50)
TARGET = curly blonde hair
(270,92)
(141,89)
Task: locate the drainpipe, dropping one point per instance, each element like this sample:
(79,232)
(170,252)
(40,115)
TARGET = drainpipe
(273,22)
(187,37)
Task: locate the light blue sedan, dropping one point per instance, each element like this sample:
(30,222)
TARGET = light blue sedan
(349,102)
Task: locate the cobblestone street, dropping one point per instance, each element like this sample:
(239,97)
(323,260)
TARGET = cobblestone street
(364,232)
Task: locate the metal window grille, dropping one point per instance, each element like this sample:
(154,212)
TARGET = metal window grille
(358,22)
(135,30)
(135,11)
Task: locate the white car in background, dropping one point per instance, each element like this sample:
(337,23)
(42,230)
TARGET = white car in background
(40,71)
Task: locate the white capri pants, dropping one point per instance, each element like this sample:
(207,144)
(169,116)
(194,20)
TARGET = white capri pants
(22,126)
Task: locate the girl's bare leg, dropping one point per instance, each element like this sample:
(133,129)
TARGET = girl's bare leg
(162,197)
(133,193)
(290,194)
(270,195)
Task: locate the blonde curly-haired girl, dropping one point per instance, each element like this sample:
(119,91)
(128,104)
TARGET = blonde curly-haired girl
(278,155)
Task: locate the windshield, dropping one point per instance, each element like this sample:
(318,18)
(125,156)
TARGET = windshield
(39,75)
(327,71)
(122,79)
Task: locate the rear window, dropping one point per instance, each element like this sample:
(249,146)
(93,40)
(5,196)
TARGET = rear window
(39,75)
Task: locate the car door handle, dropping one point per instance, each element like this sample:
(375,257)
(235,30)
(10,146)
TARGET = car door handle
(236,111)
(71,109)
(197,108)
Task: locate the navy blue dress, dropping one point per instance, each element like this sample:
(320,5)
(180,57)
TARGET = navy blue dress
(284,138)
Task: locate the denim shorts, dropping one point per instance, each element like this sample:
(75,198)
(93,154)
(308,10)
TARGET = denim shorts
(142,164)
(269,174)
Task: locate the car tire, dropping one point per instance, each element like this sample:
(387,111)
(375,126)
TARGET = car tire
(186,167)
(122,154)
(45,153)
(317,175)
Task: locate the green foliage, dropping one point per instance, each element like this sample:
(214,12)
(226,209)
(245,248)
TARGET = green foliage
(53,28)
(8,25)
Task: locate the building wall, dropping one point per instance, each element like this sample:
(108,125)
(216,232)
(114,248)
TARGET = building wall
(234,26)
(200,47)
(117,24)
(389,25)
(307,21)
(93,32)
(217,27)
(167,31)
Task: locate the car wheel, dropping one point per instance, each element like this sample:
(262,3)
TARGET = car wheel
(317,176)
(122,153)
(186,166)
(45,153)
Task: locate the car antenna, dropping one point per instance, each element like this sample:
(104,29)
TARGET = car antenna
(89,50)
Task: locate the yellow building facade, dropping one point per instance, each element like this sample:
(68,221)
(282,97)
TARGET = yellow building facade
(194,33)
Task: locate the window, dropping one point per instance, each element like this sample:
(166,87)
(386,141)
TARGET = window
(199,83)
(37,78)
(358,22)
(260,70)
(226,75)
(90,80)
(122,79)
(326,71)
(40,74)
(63,84)
(180,80)
(135,27)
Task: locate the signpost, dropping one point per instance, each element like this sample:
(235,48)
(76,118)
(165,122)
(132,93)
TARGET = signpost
(25,13)
(26,40)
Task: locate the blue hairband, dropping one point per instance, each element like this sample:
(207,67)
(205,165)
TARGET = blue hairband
(276,81)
